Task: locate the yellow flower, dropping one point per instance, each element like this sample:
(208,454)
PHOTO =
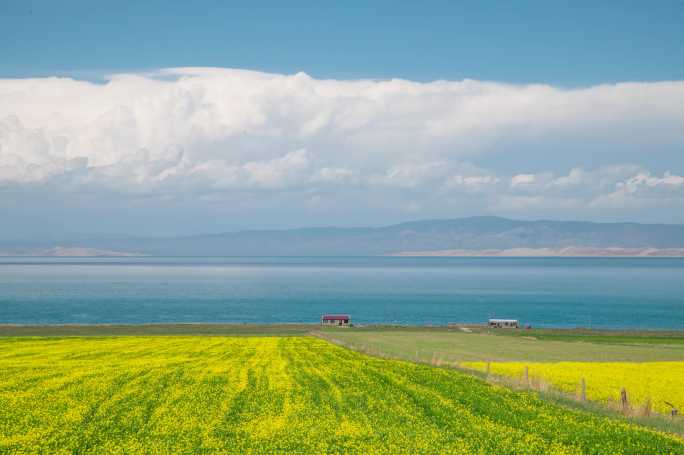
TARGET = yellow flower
(654,382)
(275,395)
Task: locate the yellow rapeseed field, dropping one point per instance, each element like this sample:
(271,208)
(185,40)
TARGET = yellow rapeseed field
(657,382)
(274,395)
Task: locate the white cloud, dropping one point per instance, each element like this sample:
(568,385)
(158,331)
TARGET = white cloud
(410,175)
(472,183)
(645,182)
(523,179)
(242,116)
(644,189)
(277,172)
(339,175)
(207,131)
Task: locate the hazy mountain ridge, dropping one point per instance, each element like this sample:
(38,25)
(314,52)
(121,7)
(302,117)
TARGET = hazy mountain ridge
(69,251)
(570,251)
(472,234)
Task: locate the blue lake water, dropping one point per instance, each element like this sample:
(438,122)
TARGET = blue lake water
(564,292)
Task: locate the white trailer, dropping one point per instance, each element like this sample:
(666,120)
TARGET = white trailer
(503,324)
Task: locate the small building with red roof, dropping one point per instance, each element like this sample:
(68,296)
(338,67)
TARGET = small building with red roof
(337,320)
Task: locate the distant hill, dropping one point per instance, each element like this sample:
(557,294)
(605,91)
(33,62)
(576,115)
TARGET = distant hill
(470,234)
(59,251)
(568,251)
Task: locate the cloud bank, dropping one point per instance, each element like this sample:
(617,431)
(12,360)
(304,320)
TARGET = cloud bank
(211,133)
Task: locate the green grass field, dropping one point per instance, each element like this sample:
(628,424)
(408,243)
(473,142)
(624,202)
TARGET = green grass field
(269,394)
(599,336)
(509,345)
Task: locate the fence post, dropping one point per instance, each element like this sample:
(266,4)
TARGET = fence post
(488,369)
(527,376)
(583,389)
(673,410)
(647,407)
(624,401)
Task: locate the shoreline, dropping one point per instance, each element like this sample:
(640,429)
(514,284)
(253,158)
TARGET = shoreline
(523,253)
(295,329)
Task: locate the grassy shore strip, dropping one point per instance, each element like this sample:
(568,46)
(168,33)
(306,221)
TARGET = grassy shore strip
(98,330)
(543,334)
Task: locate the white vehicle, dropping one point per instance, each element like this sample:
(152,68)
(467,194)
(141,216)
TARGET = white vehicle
(503,324)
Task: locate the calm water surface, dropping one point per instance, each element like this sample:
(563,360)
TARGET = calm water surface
(568,292)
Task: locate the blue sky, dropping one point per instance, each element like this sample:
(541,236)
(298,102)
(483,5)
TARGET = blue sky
(164,118)
(565,43)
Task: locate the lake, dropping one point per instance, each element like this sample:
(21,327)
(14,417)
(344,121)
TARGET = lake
(558,292)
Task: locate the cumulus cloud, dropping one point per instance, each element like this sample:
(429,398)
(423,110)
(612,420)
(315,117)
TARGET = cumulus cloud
(211,131)
(608,187)
(523,180)
(472,183)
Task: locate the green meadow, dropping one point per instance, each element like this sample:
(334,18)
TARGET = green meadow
(476,344)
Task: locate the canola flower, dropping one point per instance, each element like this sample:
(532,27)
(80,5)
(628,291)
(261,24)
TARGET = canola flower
(654,382)
(274,395)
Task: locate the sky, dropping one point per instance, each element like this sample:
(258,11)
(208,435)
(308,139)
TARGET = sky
(167,118)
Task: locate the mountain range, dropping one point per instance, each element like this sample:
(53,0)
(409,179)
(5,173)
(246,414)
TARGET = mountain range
(473,236)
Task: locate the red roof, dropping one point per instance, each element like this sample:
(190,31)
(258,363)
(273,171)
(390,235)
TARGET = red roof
(335,317)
